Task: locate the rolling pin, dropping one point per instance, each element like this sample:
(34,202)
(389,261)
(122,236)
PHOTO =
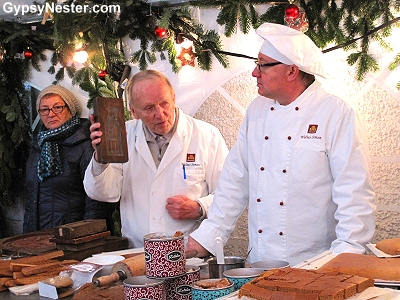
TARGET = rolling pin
(129,267)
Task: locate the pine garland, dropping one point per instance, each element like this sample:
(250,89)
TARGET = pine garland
(14,101)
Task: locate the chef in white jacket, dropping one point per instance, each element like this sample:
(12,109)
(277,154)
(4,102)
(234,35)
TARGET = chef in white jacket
(300,163)
(174,164)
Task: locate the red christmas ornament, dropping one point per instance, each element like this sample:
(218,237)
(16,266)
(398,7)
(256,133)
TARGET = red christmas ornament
(28,53)
(160,32)
(291,11)
(102,74)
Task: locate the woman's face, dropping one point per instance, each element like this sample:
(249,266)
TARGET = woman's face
(52,120)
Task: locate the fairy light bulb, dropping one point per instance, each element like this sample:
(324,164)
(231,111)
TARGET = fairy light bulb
(81,56)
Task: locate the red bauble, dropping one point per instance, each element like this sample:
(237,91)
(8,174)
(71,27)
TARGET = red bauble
(102,74)
(291,11)
(160,32)
(28,54)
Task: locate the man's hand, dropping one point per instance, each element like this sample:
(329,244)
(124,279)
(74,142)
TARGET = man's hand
(181,207)
(194,249)
(95,134)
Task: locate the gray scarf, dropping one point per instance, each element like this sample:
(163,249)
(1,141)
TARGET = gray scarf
(49,161)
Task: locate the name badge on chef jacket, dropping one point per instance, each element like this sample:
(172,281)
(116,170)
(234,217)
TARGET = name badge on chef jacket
(312,128)
(190,157)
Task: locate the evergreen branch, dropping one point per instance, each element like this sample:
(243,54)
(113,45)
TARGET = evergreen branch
(244,19)
(395,63)
(364,36)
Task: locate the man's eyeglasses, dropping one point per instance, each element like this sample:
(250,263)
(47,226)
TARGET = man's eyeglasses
(55,109)
(266,65)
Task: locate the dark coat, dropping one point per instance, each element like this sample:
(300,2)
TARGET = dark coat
(62,199)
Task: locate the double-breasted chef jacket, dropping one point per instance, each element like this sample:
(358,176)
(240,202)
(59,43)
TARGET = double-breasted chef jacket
(191,166)
(303,170)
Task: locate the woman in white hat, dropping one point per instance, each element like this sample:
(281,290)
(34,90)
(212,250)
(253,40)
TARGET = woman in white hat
(56,165)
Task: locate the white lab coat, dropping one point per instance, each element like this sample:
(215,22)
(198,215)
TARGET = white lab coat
(143,189)
(304,172)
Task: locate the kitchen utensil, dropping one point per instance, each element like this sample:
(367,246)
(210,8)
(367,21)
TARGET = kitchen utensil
(108,279)
(129,267)
(270,264)
(248,253)
(216,270)
(219,250)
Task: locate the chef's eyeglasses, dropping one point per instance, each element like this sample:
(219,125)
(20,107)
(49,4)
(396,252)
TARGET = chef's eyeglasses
(58,109)
(266,65)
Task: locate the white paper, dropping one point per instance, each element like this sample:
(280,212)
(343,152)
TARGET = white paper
(83,273)
(48,290)
(316,261)
(24,289)
(378,252)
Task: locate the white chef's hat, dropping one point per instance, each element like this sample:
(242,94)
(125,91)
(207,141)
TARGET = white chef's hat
(291,47)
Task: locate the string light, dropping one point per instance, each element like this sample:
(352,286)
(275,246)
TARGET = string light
(2,54)
(80,56)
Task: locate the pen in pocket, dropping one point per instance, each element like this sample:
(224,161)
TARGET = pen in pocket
(184,171)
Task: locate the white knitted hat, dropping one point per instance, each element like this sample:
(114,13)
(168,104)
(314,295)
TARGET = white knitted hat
(69,98)
(292,47)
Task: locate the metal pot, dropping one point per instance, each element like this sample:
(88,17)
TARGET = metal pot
(216,270)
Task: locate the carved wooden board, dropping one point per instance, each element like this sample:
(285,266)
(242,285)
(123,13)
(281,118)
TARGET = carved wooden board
(80,229)
(109,112)
(29,243)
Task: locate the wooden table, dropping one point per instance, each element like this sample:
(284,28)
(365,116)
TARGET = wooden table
(6,295)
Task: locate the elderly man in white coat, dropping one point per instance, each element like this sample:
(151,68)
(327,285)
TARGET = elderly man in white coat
(174,164)
(300,163)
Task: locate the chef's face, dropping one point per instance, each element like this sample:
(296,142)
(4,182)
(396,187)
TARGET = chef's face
(153,101)
(269,78)
(54,120)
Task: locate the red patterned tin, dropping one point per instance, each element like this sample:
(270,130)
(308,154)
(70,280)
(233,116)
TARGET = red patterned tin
(141,287)
(179,288)
(164,255)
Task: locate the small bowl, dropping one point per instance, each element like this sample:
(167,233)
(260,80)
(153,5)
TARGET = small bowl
(216,270)
(241,276)
(270,264)
(199,293)
(105,260)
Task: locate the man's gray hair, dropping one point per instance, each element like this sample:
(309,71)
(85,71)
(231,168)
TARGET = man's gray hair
(145,75)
